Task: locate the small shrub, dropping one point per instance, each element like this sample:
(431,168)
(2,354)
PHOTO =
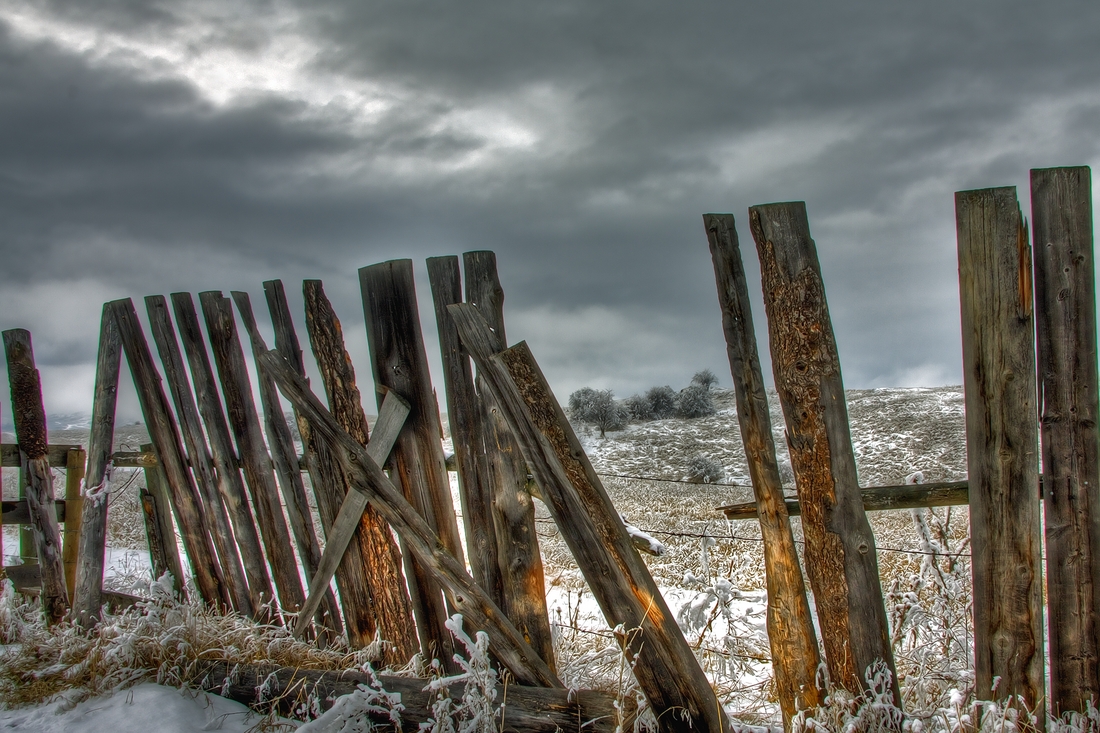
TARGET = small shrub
(599,408)
(695,401)
(662,402)
(705,379)
(639,407)
(705,470)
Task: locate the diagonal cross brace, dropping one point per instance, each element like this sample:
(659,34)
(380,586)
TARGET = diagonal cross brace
(390,419)
(367,478)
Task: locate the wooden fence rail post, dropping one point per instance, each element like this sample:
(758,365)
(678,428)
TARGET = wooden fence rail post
(88,591)
(795,655)
(998,339)
(244,421)
(164,433)
(376,598)
(29,417)
(841,559)
(74,509)
(1065,314)
(513,510)
(400,363)
(164,554)
(663,663)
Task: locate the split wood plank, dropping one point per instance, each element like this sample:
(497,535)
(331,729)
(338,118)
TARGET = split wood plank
(399,363)
(1001,437)
(664,665)
(878,498)
(202,466)
(19,512)
(1065,313)
(88,590)
(164,554)
(420,539)
(244,421)
(186,503)
(390,419)
(791,635)
(230,485)
(377,599)
(29,417)
(841,560)
(74,504)
(57,454)
(513,510)
(289,475)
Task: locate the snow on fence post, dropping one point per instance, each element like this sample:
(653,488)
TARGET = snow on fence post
(372,566)
(666,668)
(244,421)
(513,509)
(88,590)
(166,440)
(399,362)
(841,559)
(795,655)
(1065,314)
(998,339)
(164,554)
(230,484)
(29,417)
(202,467)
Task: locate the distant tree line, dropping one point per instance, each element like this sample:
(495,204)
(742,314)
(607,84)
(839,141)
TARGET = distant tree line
(599,408)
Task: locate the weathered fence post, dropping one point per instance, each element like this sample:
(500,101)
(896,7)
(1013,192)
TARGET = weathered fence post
(29,417)
(244,421)
(166,439)
(1001,440)
(399,363)
(164,554)
(371,568)
(230,485)
(513,510)
(1065,313)
(841,559)
(74,509)
(663,663)
(88,593)
(202,467)
(795,656)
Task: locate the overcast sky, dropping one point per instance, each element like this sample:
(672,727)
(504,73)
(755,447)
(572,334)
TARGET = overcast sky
(150,147)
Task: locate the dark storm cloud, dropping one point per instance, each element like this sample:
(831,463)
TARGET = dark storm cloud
(581,141)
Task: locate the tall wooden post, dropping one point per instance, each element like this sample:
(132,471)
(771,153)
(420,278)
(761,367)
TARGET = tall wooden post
(1065,314)
(30,431)
(840,547)
(400,363)
(998,339)
(74,507)
(791,634)
(371,569)
(88,592)
(164,554)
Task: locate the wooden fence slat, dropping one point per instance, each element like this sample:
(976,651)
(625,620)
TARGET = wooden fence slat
(166,439)
(877,498)
(88,591)
(29,417)
(370,575)
(513,511)
(399,362)
(1065,313)
(390,419)
(164,553)
(57,454)
(230,485)
(420,539)
(244,421)
(202,466)
(19,512)
(74,504)
(664,665)
(289,475)
(791,635)
(841,560)
(1001,437)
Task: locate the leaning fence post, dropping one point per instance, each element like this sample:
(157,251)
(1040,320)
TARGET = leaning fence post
(1065,314)
(791,634)
(29,417)
(841,559)
(1001,444)
(164,554)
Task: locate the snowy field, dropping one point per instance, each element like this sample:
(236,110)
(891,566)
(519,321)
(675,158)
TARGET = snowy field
(710,570)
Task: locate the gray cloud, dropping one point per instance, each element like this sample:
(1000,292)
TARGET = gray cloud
(190,146)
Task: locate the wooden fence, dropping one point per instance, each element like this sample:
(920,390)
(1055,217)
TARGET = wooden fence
(226,471)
